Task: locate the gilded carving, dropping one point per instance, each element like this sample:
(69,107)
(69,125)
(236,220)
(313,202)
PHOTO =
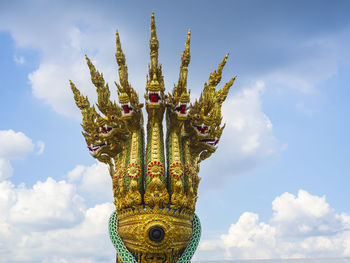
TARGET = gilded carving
(154,194)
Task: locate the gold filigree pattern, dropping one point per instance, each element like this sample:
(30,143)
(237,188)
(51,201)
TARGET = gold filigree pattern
(156,194)
(155,169)
(176,170)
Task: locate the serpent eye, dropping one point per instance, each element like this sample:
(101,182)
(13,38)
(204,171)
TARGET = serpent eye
(156,234)
(112,117)
(96,136)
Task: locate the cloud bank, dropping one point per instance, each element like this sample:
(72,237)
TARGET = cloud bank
(302,226)
(50,223)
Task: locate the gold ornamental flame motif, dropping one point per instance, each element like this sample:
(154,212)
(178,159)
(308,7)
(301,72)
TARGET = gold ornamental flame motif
(155,193)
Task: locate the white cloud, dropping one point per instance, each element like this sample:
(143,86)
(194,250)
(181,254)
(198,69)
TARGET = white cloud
(14,145)
(94,181)
(301,226)
(249,128)
(311,214)
(50,83)
(289,207)
(47,205)
(7,198)
(254,239)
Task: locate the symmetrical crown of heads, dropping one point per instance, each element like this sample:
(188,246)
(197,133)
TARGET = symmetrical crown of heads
(144,181)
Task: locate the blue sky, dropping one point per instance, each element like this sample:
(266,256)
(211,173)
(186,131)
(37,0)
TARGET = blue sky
(277,187)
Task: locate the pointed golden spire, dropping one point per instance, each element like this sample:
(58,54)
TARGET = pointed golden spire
(125,92)
(185,60)
(123,69)
(186,56)
(155,81)
(81,101)
(119,55)
(215,76)
(154,45)
(222,93)
(89,113)
(96,77)
(102,89)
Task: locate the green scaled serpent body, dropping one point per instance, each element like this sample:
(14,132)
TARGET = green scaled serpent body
(127,257)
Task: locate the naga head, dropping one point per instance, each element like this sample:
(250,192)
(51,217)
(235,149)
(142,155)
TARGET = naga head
(92,135)
(112,127)
(204,125)
(154,96)
(178,101)
(100,146)
(128,98)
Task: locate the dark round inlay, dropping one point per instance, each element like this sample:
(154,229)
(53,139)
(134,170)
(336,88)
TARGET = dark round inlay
(156,234)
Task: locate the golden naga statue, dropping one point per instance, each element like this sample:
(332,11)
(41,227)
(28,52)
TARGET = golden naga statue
(155,197)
